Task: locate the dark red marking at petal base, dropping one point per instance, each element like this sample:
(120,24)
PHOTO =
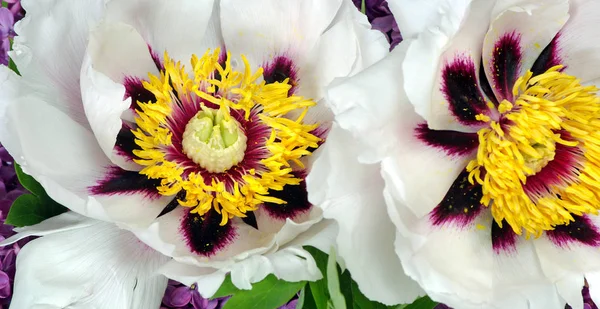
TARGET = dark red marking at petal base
(125,144)
(461,90)
(280,68)
(460,206)
(484,83)
(506,64)
(548,58)
(135,90)
(204,235)
(504,239)
(581,230)
(250,219)
(557,173)
(296,198)
(156,58)
(172,204)
(453,143)
(120,181)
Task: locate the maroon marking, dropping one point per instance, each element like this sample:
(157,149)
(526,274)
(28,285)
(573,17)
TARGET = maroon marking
(296,198)
(135,90)
(582,230)
(504,238)
(125,144)
(280,68)
(204,235)
(548,58)
(460,206)
(120,181)
(506,64)
(453,143)
(461,90)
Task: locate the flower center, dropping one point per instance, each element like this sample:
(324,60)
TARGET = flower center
(214,140)
(222,138)
(554,125)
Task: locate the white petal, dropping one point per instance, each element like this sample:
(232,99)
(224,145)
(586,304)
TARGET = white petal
(535,23)
(465,45)
(347,46)
(115,51)
(424,51)
(360,105)
(414,17)
(577,49)
(261,29)
(73,272)
(180,27)
(351,194)
(50,46)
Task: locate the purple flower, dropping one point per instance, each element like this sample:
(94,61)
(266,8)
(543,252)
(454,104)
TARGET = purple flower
(179,296)
(10,189)
(16,9)
(6,32)
(382,19)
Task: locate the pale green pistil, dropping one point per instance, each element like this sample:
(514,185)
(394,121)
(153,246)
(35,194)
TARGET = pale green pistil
(214,140)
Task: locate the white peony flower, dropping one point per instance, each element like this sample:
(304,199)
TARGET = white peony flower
(190,123)
(485,121)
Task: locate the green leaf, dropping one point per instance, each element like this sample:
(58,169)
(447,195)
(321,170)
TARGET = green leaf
(363,7)
(318,288)
(422,303)
(226,289)
(270,293)
(29,209)
(309,300)
(333,283)
(25,211)
(29,183)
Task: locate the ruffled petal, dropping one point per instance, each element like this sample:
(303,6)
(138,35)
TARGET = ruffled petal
(517,37)
(366,238)
(116,55)
(180,27)
(575,47)
(261,30)
(73,272)
(48,51)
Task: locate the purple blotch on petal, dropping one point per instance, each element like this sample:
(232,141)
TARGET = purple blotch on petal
(504,238)
(453,143)
(461,205)
(296,198)
(204,235)
(581,230)
(485,85)
(156,58)
(280,68)
(120,181)
(461,90)
(173,203)
(250,219)
(135,90)
(548,58)
(506,64)
(125,144)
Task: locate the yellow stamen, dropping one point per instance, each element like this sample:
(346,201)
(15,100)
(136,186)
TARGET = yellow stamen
(551,108)
(228,90)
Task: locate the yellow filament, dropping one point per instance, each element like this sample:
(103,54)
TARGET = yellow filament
(244,91)
(546,104)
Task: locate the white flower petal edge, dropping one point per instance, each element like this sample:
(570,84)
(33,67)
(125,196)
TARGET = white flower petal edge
(351,193)
(84,263)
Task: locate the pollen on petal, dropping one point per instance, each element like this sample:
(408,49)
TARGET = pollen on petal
(205,235)
(461,90)
(582,230)
(460,206)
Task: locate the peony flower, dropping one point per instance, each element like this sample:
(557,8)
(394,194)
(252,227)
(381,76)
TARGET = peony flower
(192,125)
(485,125)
